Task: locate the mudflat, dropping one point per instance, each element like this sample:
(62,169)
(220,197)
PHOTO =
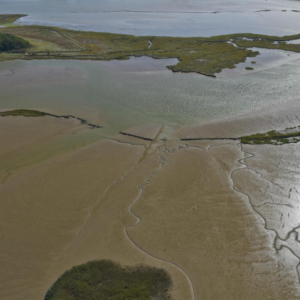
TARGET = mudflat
(26,140)
(46,235)
(218,215)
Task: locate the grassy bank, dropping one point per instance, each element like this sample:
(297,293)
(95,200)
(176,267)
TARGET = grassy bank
(290,135)
(23,112)
(105,279)
(207,56)
(8,19)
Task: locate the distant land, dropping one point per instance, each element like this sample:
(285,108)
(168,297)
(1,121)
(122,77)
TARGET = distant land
(207,56)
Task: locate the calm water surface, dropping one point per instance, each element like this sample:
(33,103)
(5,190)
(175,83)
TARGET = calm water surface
(168,17)
(125,96)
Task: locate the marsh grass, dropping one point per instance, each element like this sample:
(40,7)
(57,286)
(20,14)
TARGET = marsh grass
(272,137)
(8,19)
(107,280)
(207,56)
(23,112)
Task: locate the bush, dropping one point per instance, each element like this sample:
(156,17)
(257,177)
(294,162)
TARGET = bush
(107,280)
(23,112)
(10,42)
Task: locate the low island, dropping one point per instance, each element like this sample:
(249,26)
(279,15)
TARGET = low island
(204,55)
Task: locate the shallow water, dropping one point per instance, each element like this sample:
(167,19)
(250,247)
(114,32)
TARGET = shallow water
(173,24)
(267,59)
(139,64)
(144,5)
(169,17)
(131,94)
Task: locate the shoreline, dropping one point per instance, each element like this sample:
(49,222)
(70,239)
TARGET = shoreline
(207,56)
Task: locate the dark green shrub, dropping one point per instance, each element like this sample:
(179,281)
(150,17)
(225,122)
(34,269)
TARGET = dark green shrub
(107,280)
(22,112)
(10,42)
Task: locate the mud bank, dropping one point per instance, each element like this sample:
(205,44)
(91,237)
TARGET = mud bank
(218,216)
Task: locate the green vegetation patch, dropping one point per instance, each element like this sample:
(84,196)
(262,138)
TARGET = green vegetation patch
(204,55)
(107,280)
(272,137)
(10,42)
(249,68)
(8,19)
(268,42)
(23,112)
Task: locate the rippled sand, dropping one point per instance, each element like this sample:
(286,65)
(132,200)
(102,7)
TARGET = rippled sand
(222,218)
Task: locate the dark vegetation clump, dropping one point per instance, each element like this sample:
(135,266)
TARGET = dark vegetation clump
(272,137)
(10,42)
(22,112)
(107,280)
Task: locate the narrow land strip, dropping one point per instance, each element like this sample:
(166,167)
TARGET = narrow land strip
(207,56)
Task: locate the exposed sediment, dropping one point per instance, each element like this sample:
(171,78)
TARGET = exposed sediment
(194,210)
(193,207)
(276,201)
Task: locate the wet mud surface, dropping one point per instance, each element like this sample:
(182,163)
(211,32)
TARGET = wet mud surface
(272,187)
(219,216)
